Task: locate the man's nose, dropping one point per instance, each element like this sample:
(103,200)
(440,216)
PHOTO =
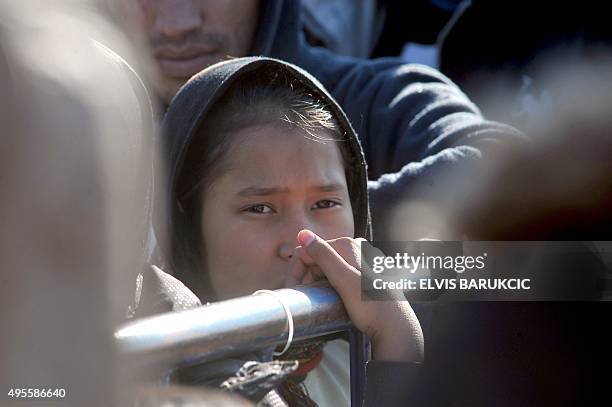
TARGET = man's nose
(176,18)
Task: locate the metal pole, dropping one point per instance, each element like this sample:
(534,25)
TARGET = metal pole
(233,327)
(360,354)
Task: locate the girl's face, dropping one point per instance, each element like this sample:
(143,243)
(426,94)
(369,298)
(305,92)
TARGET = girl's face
(277,183)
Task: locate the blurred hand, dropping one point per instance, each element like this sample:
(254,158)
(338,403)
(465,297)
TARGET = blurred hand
(392,326)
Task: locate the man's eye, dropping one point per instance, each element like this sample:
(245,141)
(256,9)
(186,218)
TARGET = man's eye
(260,208)
(325,203)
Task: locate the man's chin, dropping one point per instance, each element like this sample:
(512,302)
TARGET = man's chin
(166,88)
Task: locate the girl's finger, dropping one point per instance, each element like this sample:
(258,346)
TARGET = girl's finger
(313,274)
(295,272)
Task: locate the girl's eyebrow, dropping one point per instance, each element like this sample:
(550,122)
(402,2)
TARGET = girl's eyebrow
(263,191)
(333,187)
(260,191)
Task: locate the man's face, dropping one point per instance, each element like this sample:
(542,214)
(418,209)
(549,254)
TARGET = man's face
(186,36)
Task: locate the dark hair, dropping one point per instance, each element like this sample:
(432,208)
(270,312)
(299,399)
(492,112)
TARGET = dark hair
(265,97)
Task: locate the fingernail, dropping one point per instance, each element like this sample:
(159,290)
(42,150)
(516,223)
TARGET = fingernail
(306,237)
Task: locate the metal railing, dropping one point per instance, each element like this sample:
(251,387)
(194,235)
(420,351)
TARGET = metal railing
(242,325)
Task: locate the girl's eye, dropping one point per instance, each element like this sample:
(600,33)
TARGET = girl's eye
(325,203)
(259,208)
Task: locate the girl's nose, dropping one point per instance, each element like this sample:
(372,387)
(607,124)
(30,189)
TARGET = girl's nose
(286,249)
(289,240)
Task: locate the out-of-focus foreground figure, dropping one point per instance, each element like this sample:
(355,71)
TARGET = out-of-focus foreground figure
(559,188)
(75,169)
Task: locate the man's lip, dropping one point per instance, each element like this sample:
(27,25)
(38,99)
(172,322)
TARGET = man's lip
(185,66)
(183,52)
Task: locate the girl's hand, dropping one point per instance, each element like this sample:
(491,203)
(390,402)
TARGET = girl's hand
(392,326)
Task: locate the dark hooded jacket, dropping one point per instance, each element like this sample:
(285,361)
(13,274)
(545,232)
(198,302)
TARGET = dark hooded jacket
(185,116)
(413,123)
